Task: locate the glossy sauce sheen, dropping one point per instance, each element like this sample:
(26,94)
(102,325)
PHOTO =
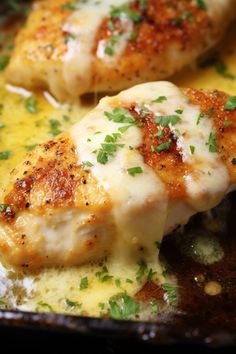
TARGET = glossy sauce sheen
(147,192)
(51,286)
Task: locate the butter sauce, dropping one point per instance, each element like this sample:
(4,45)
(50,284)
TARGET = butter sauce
(22,128)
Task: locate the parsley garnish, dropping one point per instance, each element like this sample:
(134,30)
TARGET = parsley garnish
(44,306)
(165,120)
(230,104)
(171,293)
(122,306)
(201,4)
(163,147)
(83,283)
(70,303)
(4,155)
(117,12)
(54,127)
(151,275)
(120,115)
(31,105)
(134,171)
(4,60)
(109,49)
(160,99)
(212,142)
(227,123)
(3,207)
(87,164)
(192,149)
(69,6)
(31,147)
(103,275)
(222,69)
(179,111)
(160,134)
(200,117)
(154,307)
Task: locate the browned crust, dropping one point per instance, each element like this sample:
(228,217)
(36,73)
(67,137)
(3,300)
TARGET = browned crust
(163,22)
(49,178)
(168,164)
(213,105)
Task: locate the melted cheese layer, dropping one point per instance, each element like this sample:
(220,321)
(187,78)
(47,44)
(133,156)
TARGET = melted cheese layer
(141,209)
(136,200)
(83,25)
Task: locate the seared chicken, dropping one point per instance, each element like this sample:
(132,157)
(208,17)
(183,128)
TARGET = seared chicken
(137,166)
(74,47)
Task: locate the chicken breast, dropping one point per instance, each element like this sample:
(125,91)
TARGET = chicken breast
(75,47)
(140,164)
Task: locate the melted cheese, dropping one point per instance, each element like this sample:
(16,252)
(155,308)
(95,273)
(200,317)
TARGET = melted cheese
(137,200)
(140,204)
(83,25)
(55,285)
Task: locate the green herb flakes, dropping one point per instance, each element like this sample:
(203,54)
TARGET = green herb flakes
(31,105)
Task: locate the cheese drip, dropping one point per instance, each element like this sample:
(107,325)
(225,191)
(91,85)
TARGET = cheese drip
(208,180)
(139,202)
(140,207)
(82,26)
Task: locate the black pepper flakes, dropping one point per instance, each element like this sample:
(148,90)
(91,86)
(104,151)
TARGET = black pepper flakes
(233,161)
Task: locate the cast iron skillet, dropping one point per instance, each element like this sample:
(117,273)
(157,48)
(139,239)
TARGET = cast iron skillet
(203,320)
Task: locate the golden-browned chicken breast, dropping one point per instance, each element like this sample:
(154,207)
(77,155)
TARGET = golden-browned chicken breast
(132,170)
(74,47)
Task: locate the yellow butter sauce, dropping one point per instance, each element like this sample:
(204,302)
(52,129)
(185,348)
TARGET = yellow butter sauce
(22,130)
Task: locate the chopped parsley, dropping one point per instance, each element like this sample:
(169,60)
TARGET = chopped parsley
(103,275)
(120,115)
(44,306)
(31,147)
(159,134)
(3,207)
(151,274)
(212,142)
(201,4)
(166,120)
(222,69)
(122,306)
(192,149)
(124,129)
(134,171)
(117,12)
(69,6)
(2,125)
(5,155)
(83,283)
(31,105)
(118,282)
(200,117)
(4,60)
(154,307)
(170,293)
(129,281)
(163,147)
(230,104)
(142,271)
(160,99)
(227,123)
(70,303)
(179,111)
(54,124)
(87,164)
(113,40)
